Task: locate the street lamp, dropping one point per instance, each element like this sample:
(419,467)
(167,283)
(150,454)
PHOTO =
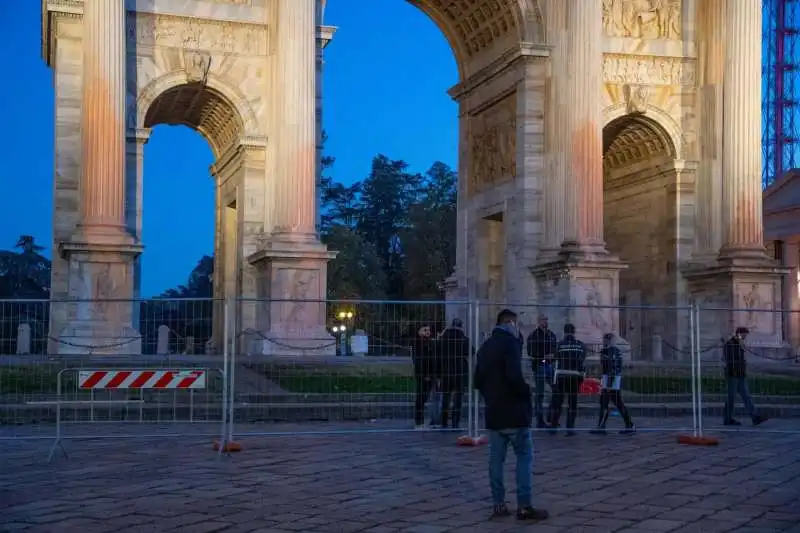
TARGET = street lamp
(341,331)
(345,314)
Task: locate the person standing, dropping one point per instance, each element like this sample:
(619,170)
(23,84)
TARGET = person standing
(736,378)
(424,379)
(568,376)
(454,352)
(499,378)
(611,384)
(541,346)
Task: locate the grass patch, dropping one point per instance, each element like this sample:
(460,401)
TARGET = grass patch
(369,379)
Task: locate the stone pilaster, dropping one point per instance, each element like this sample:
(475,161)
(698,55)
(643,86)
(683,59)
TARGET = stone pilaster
(134,191)
(292,263)
(101,251)
(579,272)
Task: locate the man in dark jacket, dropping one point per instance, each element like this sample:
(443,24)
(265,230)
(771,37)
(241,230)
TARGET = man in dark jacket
(541,346)
(454,349)
(568,376)
(424,358)
(736,377)
(498,376)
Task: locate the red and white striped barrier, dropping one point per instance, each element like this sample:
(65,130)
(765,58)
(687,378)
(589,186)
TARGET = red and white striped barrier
(142,379)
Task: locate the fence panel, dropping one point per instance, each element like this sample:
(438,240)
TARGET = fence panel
(45,342)
(358,373)
(657,374)
(771,373)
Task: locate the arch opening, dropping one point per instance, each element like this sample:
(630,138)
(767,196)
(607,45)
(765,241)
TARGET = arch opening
(473,26)
(640,222)
(201,108)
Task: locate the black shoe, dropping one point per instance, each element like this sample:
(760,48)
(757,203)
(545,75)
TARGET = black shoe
(599,431)
(531,513)
(540,424)
(552,431)
(570,433)
(628,431)
(731,422)
(500,511)
(758,420)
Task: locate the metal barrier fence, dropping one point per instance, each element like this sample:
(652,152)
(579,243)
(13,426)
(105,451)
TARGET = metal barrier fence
(358,372)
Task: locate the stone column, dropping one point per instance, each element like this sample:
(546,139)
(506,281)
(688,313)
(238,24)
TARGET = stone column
(791,298)
(741,141)
(103,119)
(292,262)
(582,82)
(101,251)
(296,57)
(134,181)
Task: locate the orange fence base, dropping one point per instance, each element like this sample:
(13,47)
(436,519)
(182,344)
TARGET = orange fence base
(229,447)
(693,440)
(467,440)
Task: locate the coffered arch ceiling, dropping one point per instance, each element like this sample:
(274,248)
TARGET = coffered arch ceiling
(474,26)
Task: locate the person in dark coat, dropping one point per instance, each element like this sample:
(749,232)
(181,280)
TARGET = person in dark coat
(454,352)
(498,377)
(568,376)
(611,382)
(541,346)
(736,378)
(423,357)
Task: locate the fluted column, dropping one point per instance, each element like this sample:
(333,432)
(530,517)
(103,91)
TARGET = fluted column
(741,150)
(583,80)
(103,118)
(296,130)
(556,132)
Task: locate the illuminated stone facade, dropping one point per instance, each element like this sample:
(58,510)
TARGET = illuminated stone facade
(594,137)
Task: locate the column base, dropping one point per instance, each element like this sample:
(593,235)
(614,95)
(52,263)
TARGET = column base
(291,314)
(582,288)
(98,315)
(741,290)
(97,337)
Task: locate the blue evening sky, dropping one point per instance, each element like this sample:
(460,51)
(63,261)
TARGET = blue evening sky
(386,75)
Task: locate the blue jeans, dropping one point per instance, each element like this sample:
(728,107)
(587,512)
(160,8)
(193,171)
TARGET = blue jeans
(520,440)
(738,386)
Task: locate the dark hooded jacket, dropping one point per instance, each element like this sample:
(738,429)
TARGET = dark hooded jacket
(498,376)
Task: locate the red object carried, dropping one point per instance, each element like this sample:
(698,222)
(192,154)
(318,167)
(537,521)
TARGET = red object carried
(590,386)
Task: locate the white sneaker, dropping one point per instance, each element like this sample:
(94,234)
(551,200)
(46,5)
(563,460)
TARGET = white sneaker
(421,428)
(435,426)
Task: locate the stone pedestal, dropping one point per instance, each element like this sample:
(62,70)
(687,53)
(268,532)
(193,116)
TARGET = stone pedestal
(739,293)
(581,289)
(292,314)
(100,311)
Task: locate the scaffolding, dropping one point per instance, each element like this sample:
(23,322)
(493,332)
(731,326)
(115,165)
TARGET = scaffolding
(780,88)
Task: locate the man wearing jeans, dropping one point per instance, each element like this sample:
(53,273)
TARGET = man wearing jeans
(498,376)
(736,378)
(541,346)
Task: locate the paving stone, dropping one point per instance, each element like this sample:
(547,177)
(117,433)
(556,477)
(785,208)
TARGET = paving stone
(402,482)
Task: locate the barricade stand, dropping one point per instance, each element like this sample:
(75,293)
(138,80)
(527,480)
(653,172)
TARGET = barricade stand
(696,438)
(161,379)
(226,444)
(473,436)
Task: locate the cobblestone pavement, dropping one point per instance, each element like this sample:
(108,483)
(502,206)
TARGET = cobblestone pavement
(412,481)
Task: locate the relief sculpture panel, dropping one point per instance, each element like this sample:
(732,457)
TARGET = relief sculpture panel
(642,19)
(493,145)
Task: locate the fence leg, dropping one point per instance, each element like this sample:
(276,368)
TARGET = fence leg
(222,445)
(58,444)
(234,339)
(472,438)
(697,438)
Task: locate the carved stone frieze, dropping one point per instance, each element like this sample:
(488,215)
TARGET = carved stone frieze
(493,145)
(478,24)
(146,29)
(648,70)
(642,19)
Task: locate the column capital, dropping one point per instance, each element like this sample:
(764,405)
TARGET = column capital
(139,135)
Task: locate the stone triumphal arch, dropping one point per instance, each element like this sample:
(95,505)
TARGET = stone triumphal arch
(601,162)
